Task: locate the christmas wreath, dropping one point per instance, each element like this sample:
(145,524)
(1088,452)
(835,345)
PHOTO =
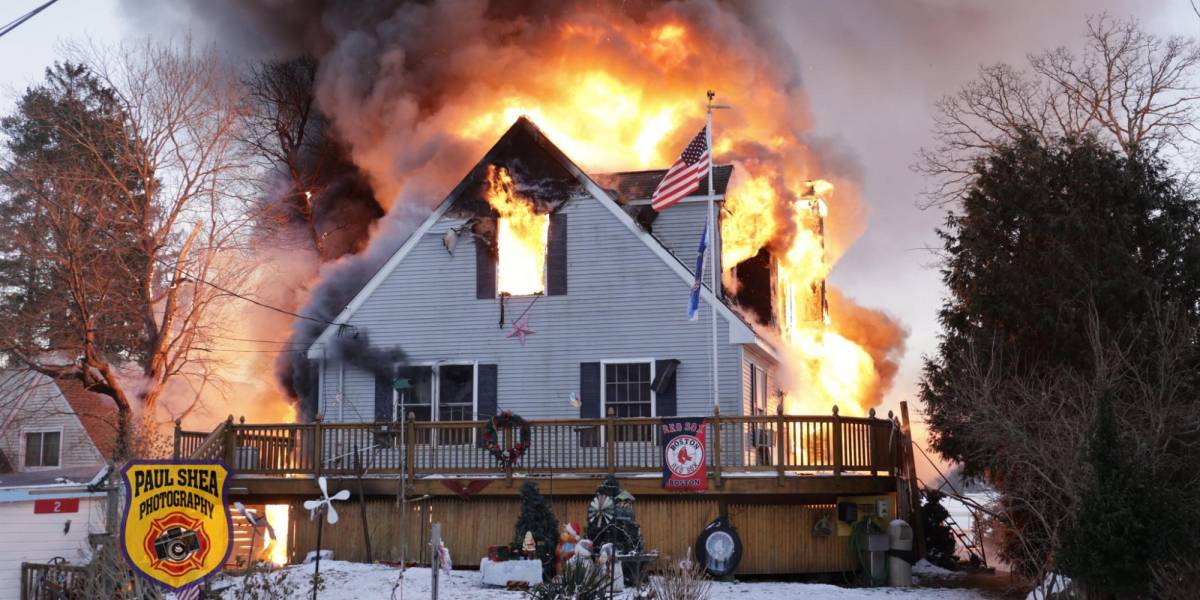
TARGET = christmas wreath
(491,437)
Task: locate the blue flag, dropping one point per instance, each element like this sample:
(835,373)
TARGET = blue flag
(694,301)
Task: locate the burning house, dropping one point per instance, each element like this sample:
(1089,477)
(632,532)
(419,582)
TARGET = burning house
(539,290)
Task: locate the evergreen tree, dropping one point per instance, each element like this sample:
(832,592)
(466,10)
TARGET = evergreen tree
(939,539)
(1120,513)
(537,517)
(1047,236)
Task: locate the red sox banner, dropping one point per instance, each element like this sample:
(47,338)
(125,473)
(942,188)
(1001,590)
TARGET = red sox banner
(684,462)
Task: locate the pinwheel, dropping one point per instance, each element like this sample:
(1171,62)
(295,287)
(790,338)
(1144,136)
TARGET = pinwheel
(323,504)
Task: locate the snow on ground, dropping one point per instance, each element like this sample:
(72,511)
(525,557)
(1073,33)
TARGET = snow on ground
(924,568)
(358,581)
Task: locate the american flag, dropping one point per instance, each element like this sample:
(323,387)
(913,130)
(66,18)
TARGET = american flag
(685,175)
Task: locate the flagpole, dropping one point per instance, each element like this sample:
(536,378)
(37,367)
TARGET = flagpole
(712,256)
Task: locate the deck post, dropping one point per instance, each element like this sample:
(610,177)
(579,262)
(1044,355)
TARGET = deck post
(410,446)
(178,438)
(914,492)
(716,427)
(317,446)
(837,443)
(871,443)
(610,448)
(780,441)
(230,450)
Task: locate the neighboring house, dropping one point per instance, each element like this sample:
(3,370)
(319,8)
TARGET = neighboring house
(610,331)
(56,438)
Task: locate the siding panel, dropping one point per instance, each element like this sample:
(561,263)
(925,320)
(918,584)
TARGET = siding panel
(623,303)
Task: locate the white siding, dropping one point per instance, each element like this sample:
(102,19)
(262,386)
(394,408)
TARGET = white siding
(623,302)
(27,537)
(32,402)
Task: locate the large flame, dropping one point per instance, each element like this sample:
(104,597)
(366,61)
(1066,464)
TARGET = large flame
(520,236)
(278,516)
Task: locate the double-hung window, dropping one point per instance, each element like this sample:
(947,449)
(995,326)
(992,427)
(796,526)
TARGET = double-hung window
(441,392)
(42,448)
(627,391)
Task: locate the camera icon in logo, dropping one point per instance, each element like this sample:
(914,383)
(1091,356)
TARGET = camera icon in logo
(176,544)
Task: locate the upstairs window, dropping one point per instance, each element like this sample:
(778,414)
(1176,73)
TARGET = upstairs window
(522,236)
(42,448)
(527,253)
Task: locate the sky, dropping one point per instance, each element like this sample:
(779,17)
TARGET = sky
(873,71)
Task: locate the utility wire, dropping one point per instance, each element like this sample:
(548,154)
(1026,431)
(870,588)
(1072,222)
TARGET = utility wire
(15,23)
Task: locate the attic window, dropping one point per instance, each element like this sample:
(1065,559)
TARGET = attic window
(522,236)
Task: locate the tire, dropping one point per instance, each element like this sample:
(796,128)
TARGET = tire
(719,548)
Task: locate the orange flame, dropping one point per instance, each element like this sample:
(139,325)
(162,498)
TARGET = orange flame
(277,515)
(520,237)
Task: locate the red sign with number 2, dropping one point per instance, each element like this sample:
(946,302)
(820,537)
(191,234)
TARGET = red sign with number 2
(56,505)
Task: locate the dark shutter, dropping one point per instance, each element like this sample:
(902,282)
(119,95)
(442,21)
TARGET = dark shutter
(589,397)
(486,402)
(665,372)
(556,256)
(383,398)
(485,270)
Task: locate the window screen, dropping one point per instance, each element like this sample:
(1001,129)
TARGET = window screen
(627,392)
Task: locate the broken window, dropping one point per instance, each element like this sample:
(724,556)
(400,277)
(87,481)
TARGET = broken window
(522,234)
(627,391)
(41,448)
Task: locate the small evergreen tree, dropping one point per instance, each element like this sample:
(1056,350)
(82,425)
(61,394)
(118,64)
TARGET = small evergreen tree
(939,539)
(537,517)
(1120,512)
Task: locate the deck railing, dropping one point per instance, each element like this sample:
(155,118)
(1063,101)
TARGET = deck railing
(783,444)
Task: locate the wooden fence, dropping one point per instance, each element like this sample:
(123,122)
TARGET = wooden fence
(53,581)
(778,444)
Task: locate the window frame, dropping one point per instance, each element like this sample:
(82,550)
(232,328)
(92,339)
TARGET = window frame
(25,447)
(604,391)
(436,391)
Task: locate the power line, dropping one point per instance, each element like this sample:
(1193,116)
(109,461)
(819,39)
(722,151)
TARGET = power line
(15,23)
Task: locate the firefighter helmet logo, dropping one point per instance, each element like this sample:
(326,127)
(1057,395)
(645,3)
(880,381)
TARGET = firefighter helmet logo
(176,529)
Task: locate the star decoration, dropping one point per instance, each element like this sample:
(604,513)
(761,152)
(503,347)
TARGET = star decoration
(521,329)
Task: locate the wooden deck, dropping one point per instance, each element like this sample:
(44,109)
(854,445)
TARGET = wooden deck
(763,454)
(772,476)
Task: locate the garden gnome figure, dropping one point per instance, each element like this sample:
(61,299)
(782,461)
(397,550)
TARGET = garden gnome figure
(529,547)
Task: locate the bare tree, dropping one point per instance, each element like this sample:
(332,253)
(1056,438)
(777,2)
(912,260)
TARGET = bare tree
(140,225)
(1130,87)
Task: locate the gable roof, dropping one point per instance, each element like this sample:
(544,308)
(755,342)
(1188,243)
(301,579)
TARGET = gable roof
(96,412)
(524,134)
(631,186)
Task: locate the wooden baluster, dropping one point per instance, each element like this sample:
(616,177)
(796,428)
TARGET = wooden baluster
(316,457)
(716,427)
(610,447)
(780,442)
(178,437)
(837,443)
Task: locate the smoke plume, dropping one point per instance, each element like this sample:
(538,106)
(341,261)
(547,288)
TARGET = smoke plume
(418,90)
